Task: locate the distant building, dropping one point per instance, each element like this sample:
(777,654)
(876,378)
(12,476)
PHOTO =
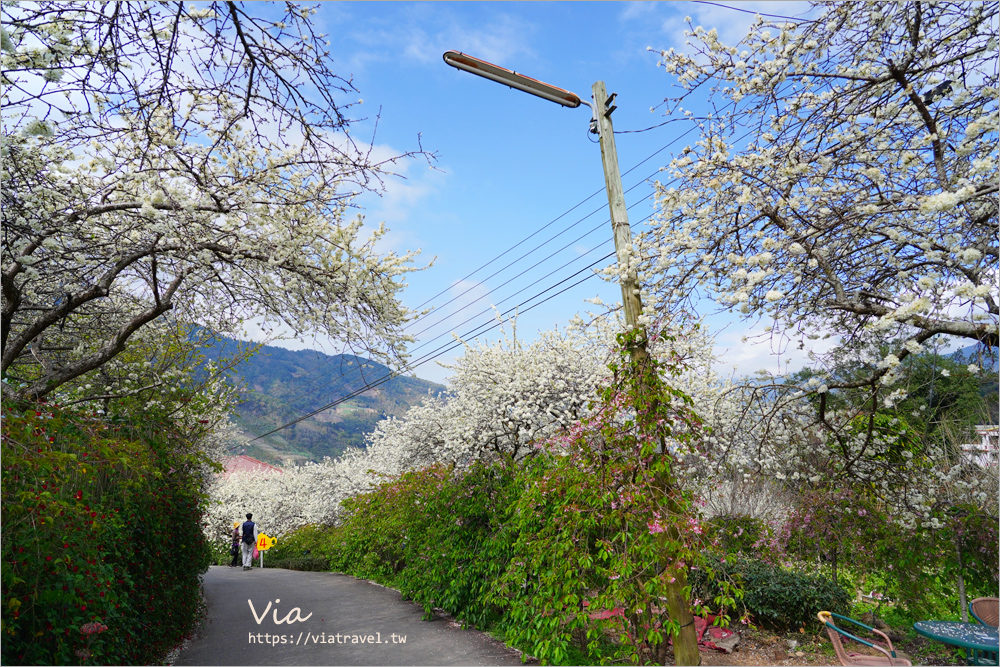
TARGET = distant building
(245,464)
(984,452)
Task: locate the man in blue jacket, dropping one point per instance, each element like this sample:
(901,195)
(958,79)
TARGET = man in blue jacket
(249,540)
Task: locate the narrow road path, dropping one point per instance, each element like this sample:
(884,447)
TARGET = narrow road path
(345,621)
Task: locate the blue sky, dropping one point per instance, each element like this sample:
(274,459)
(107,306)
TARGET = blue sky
(508,163)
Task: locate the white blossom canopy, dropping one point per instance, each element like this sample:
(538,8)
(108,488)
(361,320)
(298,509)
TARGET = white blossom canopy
(866,198)
(159,158)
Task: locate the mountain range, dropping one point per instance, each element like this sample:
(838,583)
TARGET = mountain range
(284,385)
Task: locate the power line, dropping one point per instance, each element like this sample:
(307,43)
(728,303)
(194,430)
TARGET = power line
(466,321)
(749,11)
(411,323)
(602,224)
(666,122)
(486,310)
(562,215)
(447,347)
(436,353)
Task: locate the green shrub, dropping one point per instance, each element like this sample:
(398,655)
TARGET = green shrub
(738,534)
(371,542)
(102,542)
(775,597)
(302,563)
(311,540)
(456,555)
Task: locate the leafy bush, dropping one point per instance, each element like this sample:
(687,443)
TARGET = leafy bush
(775,597)
(302,563)
(102,542)
(310,540)
(738,534)
(456,555)
(372,541)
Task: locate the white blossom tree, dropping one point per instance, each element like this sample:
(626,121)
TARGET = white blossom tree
(162,373)
(864,206)
(866,199)
(502,398)
(169,158)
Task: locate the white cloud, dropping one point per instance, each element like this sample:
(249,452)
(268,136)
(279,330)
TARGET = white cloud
(731,24)
(638,11)
(761,350)
(412,180)
(423,34)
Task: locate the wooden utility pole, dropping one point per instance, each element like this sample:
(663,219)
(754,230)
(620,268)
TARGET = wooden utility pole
(678,604)
(616,202)
(664,486)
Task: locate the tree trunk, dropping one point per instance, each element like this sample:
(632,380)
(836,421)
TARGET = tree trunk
(962,600)
(678,603)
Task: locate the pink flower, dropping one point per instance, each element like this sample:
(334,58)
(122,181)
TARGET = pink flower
(93,628)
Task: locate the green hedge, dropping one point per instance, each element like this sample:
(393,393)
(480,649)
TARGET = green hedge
(303,563)
(102,538)
(469,543)
(433,534)
(520,550)
(776,597)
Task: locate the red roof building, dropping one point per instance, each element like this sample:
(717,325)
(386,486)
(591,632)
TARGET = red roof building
(245,464)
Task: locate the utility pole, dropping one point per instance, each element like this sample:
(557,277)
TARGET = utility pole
(665,487)
(686,644)
(603,106)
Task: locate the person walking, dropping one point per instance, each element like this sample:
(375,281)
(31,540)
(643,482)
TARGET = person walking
(249,541)
(234,548)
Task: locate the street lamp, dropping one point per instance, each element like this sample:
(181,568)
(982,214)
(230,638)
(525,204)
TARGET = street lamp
(601,125)
(513,79)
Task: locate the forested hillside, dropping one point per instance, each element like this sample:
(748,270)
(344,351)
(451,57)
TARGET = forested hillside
(283,385)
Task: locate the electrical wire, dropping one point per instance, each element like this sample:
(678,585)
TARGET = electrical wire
(410,366)
(308,388)
(499,303)
(441,350)
(450,346)
(666,122)
(750,11)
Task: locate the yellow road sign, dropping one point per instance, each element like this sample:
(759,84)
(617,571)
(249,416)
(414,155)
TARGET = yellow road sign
(264,542)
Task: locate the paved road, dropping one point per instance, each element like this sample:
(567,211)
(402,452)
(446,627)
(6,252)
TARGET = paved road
(345,621)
